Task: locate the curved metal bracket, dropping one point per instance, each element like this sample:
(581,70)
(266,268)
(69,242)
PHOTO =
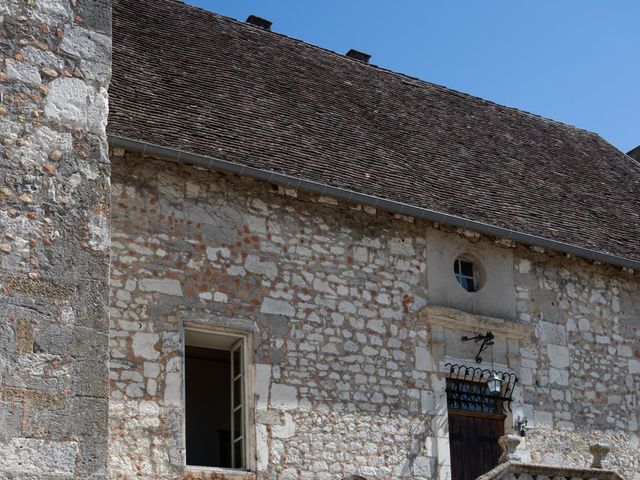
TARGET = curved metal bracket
(487,341)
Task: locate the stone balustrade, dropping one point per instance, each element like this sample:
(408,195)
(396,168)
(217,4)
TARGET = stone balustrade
(534,471)
(510,467)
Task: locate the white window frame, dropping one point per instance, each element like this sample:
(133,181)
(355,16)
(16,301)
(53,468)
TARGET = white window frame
(238,436)
(244,340)
(474,278)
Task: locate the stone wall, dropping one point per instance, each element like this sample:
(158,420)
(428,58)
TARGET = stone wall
(325,296)
(350,357)
(581,378)
(54,238)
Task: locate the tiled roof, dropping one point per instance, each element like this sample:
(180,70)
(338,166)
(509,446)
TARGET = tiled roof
(192,80)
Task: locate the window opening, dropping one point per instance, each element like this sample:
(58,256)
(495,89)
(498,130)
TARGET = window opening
(214,400)
(466,274)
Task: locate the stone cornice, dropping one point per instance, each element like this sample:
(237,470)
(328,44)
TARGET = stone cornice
(458,320)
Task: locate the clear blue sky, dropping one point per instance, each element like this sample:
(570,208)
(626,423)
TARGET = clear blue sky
(576,61)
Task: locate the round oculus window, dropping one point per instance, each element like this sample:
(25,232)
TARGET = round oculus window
(467,273)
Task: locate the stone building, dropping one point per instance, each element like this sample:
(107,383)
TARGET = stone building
(264,265)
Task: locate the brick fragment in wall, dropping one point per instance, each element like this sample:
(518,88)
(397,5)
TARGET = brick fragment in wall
(54,256)
(344,371)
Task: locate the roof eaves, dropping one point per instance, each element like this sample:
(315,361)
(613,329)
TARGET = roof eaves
(377,202)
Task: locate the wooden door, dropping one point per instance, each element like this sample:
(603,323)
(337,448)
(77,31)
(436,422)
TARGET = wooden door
(473,443)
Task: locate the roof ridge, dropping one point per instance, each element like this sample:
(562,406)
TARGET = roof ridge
(403,76)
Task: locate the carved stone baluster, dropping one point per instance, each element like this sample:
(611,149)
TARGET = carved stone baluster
(509,443)
(599,451)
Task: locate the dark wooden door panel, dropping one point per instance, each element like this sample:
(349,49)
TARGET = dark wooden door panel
(473,443)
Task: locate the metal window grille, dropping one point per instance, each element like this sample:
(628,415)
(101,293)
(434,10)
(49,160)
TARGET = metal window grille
(467,389)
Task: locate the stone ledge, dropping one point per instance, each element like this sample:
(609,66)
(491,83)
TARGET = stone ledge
(212,473)
(458,320)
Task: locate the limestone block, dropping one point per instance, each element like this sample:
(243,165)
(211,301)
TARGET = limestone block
(94,71)
(255,264)
(277,307)
(71,102)
(41,58)
(86,44)
(54,8)
(220,297)
(404,469)
(323,286)
(444,455)
(361,254)
(543,419)
(173,384)
(426,402)
(144,345)
(376,326)
(287,430)
(47,140)
(99,225)
(161,285)
(97,111)
(135,390)
(262,447)
(151,369)
(150,414)
(553,333)
(256,224)
(401,246)
(424,467)
(424,360)
(263,380)
(284,397)
(558,356)
(526,376)
(29,456)
(23,71)
(212,253)
(269,417)
(558,376)
(584,325)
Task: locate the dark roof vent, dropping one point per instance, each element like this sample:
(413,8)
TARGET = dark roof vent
(355,54)
(259,22)
(635,153)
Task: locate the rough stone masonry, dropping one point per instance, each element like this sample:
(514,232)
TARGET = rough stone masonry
(349,353)
(55,58)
